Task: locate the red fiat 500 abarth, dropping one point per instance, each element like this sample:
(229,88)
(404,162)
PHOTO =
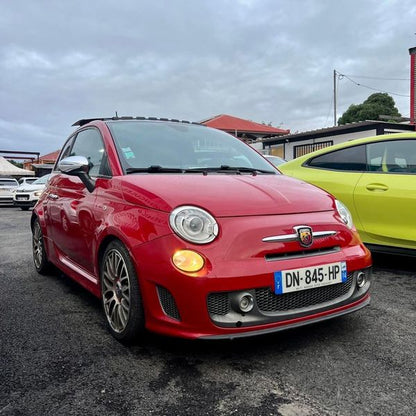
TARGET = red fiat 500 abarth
(187,231)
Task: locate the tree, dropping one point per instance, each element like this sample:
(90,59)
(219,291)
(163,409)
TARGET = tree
(375,105)
(18,164)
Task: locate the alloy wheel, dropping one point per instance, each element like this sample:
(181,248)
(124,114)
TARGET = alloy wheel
(37,244)
(116,290)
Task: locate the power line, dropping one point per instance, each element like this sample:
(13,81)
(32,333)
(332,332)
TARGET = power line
(341,76)
(384,79)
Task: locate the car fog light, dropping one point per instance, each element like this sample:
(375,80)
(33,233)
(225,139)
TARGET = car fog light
(361,279)
(188,261)
(246,302)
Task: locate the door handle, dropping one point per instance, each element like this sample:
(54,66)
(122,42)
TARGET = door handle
(53,196)
(378,187)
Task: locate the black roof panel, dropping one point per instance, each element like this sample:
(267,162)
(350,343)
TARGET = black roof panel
(84,121)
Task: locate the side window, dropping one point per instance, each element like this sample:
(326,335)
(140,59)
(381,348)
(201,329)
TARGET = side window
(348,159)
(88,143)
(395,156)
(65,150)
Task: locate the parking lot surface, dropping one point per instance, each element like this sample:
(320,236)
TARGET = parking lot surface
(57,357)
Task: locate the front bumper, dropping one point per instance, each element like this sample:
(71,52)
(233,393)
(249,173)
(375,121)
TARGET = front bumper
(297,322)
(29,204)
(24,201)
(200,305)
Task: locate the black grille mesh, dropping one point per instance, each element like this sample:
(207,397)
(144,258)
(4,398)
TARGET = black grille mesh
(267,301)
(168,303)
(218,303)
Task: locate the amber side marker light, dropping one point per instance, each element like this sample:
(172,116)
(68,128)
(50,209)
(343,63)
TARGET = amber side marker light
(188,261)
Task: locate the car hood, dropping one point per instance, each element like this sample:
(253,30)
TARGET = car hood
(226,195)
(29,188)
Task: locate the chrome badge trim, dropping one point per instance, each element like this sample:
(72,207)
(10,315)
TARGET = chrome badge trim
(284,238)
(304,234)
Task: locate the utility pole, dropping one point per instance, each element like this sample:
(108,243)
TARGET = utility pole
(335,98)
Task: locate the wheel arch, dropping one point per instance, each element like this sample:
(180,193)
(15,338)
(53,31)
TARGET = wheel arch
(40,217)
(101,249)
(33,218)
(104,244)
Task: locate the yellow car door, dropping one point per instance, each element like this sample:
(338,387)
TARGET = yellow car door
(340,184)
(337,172)
(385,196)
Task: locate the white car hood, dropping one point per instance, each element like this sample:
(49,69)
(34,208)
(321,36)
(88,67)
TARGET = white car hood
(29,188)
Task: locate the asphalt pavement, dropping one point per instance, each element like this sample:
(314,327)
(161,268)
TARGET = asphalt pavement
(57,357)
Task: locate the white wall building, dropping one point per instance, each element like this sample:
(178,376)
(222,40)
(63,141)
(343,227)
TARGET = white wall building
(294,145)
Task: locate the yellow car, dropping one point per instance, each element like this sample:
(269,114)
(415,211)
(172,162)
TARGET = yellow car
(376,178)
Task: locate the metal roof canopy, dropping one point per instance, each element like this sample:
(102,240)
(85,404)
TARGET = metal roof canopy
(16,152)
(84,121)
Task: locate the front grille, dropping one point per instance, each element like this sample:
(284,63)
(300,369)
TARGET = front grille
(219,303)
(168,303)
(303,253)
(268,302)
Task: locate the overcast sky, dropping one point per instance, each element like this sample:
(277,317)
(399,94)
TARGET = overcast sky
(262,60)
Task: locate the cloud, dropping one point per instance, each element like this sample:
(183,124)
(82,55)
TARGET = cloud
(257,59)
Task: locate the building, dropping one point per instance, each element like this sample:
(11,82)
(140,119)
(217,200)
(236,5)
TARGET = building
(294,145)
(412,52)
(247,130)
(44,164)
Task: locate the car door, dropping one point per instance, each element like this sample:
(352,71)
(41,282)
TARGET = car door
(385,196)
(72,208)
(338,172)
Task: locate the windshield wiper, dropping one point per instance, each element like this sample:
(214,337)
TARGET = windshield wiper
(154,169)
(231,169)
(223,168)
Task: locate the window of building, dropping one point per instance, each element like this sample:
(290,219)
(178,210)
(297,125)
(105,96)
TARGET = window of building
(304,149)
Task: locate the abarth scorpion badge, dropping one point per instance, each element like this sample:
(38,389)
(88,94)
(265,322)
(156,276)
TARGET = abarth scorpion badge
(304,235)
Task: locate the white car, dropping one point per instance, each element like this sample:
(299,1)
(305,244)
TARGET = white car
(276,160)
(26,195)
(27,180)
(7,187)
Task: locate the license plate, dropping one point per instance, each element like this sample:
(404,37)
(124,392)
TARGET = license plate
(22,198)
(286,281)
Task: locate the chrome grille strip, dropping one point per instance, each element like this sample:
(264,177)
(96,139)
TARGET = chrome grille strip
(294,237)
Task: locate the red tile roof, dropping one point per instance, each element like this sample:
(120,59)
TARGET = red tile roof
(50,156)
(231,124)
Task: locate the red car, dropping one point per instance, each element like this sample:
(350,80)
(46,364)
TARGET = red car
(187,231)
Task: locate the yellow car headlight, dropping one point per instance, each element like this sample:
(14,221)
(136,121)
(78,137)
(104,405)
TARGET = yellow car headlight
(188,261)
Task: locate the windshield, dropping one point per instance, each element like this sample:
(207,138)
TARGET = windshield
(41,181)
(26,180)
(185,147)
(276,160)
(8,182)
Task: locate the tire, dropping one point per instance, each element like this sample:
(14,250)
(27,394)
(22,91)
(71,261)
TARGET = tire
(24,208)
(40,259)
(120,294)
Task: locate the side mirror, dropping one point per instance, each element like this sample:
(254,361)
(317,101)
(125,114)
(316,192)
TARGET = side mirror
(73,165)
(77,166)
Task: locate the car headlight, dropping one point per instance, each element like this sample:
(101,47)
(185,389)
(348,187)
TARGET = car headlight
(193,224)
(344,213)
(38,193)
